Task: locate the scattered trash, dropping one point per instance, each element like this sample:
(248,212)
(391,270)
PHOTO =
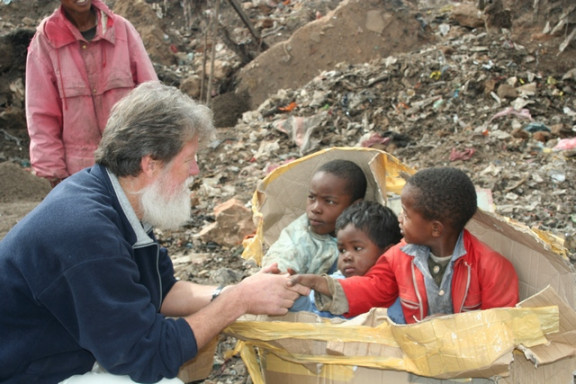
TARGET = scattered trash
(289,108)
(522,113)
(557,175)
(461,155)
(565,144)
(536,127)
(374,140)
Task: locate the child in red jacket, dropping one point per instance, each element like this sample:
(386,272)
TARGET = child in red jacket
(438,268)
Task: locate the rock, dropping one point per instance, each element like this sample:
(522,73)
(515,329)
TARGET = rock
(467,15)
(221,70)
(191,86)
(228,108)
(147,23)
(506,91)
(233,223)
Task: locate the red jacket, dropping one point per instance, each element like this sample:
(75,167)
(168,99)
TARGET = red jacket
(482,279)
(71,85)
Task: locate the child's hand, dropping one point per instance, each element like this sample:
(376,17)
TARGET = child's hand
(318,283)
(307,280)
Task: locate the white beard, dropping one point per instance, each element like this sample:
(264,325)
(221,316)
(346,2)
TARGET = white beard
(166,208)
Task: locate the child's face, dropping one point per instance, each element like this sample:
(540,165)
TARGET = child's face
(357,253)
(414,228)
(327,198)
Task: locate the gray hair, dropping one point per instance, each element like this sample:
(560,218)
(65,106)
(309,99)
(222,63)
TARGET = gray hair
(153,119)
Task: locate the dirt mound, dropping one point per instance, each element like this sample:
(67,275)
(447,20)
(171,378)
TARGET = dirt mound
(356,32)
(18,184)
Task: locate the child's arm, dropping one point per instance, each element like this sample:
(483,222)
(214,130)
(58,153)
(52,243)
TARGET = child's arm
(316,282)
(329,295)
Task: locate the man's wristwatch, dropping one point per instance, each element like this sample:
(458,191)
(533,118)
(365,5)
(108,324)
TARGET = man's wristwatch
(217,292)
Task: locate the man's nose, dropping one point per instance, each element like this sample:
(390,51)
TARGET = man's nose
(194,169)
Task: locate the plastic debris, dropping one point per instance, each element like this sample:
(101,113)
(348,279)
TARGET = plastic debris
(565,144)
(461,155)
(536,127)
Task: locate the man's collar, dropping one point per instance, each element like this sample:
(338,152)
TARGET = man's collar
(140,229)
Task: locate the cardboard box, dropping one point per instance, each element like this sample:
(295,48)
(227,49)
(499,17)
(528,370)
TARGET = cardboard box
(199,367)
(532,343)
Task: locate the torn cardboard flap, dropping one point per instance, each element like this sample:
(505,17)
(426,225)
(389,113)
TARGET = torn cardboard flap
(562,343)
(533,343)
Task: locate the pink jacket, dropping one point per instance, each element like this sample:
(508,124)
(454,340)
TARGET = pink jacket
(482,279)
(71,85)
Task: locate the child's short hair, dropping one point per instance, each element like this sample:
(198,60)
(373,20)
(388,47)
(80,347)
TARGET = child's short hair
(349,171)
(445,194)
(379,223)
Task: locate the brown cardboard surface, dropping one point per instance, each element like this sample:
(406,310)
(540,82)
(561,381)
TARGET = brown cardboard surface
(536,262)
(199,367)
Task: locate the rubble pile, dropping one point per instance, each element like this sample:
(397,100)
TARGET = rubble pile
(477,103)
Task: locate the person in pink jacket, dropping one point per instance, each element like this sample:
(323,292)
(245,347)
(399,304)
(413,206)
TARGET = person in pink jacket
(438,268)
(81,61)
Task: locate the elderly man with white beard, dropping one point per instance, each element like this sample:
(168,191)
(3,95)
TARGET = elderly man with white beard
(88,295)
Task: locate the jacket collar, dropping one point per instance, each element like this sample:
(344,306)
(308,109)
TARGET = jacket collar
(423,251)
(140,229)
(59,31)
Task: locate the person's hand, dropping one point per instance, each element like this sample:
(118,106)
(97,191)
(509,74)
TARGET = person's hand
(307,280)
(268,293)
(272,268)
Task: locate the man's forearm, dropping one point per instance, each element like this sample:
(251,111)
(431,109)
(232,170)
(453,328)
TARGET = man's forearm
(186,298)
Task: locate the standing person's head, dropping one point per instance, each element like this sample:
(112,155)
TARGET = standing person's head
(80,13)
(75,6)
(334,186)
(365,230)
(150,144)
(436,202)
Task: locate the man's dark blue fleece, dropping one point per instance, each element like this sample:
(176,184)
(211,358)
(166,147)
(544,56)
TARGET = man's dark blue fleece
(82,281)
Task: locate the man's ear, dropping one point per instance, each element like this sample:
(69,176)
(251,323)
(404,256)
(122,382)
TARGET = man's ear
(149,166)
